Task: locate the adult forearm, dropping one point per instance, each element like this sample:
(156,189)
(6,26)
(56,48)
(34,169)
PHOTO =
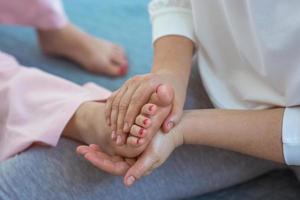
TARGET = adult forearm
(173,54)
(255,133)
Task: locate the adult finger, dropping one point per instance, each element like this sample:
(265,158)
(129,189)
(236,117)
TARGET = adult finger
(106,163)
(115,109)
(123,106)
(173,119)
(135,172)
(139,99)
(108,107)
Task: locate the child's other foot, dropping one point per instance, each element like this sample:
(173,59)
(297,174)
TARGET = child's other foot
(95,55)
(152,116)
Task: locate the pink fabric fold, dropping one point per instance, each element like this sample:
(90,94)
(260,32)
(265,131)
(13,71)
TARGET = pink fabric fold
(36,106)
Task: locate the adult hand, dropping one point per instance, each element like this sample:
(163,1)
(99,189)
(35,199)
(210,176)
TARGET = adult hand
(115,165)
(125,104)
(155,154)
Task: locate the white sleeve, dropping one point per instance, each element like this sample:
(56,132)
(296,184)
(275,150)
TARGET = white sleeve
(291,135)
(171,17)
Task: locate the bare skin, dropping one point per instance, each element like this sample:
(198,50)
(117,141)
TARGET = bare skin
(160,104)
(88,126)
(255,133)
(93,54)
(172,64)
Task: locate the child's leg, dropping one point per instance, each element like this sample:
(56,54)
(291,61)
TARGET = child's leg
(59,37)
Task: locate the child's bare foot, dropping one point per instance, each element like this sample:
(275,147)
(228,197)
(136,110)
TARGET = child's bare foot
(152,116)
(90,123)
(95,55)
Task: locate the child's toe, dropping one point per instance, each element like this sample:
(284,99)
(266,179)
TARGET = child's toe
(138,131)
(149,109)
(133,141)
(143,121)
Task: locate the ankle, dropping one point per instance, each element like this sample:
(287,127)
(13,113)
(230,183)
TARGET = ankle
(83,119)
(48,37)
(76,125)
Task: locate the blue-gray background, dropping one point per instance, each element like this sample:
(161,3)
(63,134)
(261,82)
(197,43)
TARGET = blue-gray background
(127,23)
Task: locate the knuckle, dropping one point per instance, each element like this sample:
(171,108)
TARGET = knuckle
(123,107)
(115,106)
(152,83)
(135,79)
(135,101)
(120,122)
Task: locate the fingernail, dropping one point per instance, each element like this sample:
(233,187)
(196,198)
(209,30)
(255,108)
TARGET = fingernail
(118,139)
(126,127)
(113,135)
(130,180)
(170,125)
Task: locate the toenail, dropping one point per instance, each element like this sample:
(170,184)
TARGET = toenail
(123,70)
(141,131)
(145,122)
(158,88)
(113,135)
(151,107)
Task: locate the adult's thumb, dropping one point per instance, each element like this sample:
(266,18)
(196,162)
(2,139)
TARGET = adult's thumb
(173,119)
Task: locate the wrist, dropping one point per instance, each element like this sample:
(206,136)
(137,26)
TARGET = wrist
(171,71)
(178,135)
(191,125)
(178,81)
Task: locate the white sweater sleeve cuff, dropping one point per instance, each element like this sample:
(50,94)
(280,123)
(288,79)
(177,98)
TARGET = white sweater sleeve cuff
(291,135)
(173,21)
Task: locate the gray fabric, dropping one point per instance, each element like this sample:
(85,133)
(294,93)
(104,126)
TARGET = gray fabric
(58,173)
(276,185)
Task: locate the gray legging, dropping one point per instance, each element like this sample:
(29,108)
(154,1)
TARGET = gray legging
(58,173)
